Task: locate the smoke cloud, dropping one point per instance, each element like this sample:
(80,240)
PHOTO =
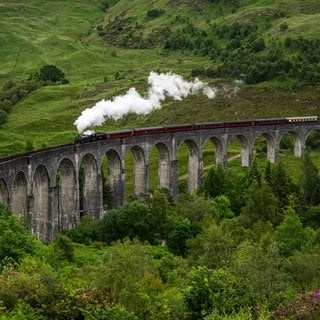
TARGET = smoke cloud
(160,86)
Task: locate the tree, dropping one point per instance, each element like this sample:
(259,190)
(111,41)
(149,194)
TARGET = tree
(257,266)
(213,246)
(159,210)
(303,268)
(261,204)
(268,174)
(291,235)
(124,275)
(15,240)
(215,182)
(222,207)
(281,185)
(310,182)
(182,230)
(132,220)
(311,217)
(29,145)
(210,290)
(63,248)
(85,232)
(51,73)
(3,117)
(254,173)
(194,207)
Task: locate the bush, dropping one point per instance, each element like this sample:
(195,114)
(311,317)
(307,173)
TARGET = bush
(15,241)
(306,306)
(3,117)
(154,13)
(51,73)
(85,232)
(133,220)
(63,247)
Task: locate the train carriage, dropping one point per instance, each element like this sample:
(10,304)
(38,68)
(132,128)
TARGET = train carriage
(148,130)
(179,128)
(190,127)
(208,125)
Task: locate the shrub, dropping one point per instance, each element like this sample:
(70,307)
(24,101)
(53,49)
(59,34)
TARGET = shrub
(3,117)
(51,73)
(63,247)
(305,307)
(15,241)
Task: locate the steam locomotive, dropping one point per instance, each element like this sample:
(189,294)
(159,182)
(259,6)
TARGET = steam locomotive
(190,127)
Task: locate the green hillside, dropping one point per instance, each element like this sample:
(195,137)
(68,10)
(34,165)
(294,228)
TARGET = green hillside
(104,48)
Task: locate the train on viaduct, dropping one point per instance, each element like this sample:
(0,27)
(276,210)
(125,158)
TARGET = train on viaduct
(43,185)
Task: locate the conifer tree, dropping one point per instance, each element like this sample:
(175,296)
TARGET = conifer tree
(268,174)
(310,182)
(281,185)
(215,183)
(254,173)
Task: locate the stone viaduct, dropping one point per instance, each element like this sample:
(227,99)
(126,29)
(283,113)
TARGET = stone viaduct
(43,186)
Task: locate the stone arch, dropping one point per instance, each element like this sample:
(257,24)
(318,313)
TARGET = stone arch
(19,199)
(140,182)
(114,177)
(312,140)
(41,219)
(298,142)
(4,195)
(90,191)
(219,152)
(66,181)
(193,169)
(272,148)
(245,149)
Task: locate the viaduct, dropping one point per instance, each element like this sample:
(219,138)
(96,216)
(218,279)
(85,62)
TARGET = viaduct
(43,186)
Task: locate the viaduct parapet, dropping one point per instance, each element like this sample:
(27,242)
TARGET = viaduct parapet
(43,186)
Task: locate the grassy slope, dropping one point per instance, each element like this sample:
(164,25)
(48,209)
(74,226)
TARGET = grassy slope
(36,33)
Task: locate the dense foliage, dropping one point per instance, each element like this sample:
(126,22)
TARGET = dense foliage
(238,49)
(209,257)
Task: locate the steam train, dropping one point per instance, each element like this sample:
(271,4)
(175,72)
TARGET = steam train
(190,127)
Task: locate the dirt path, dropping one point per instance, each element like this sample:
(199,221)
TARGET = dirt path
(185,176)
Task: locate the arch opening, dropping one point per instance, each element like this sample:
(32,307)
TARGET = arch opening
(212,153)
(265,148)
(291,144)
(239,153)
(20,198)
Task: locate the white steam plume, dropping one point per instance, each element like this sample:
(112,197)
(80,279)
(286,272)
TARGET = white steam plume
(161,86)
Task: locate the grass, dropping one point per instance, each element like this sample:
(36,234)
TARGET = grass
(34,33)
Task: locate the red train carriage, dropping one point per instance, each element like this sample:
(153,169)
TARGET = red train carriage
(208,125)
(119,134)
(148,130)
(179,128)
(268,122)
(239,124)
